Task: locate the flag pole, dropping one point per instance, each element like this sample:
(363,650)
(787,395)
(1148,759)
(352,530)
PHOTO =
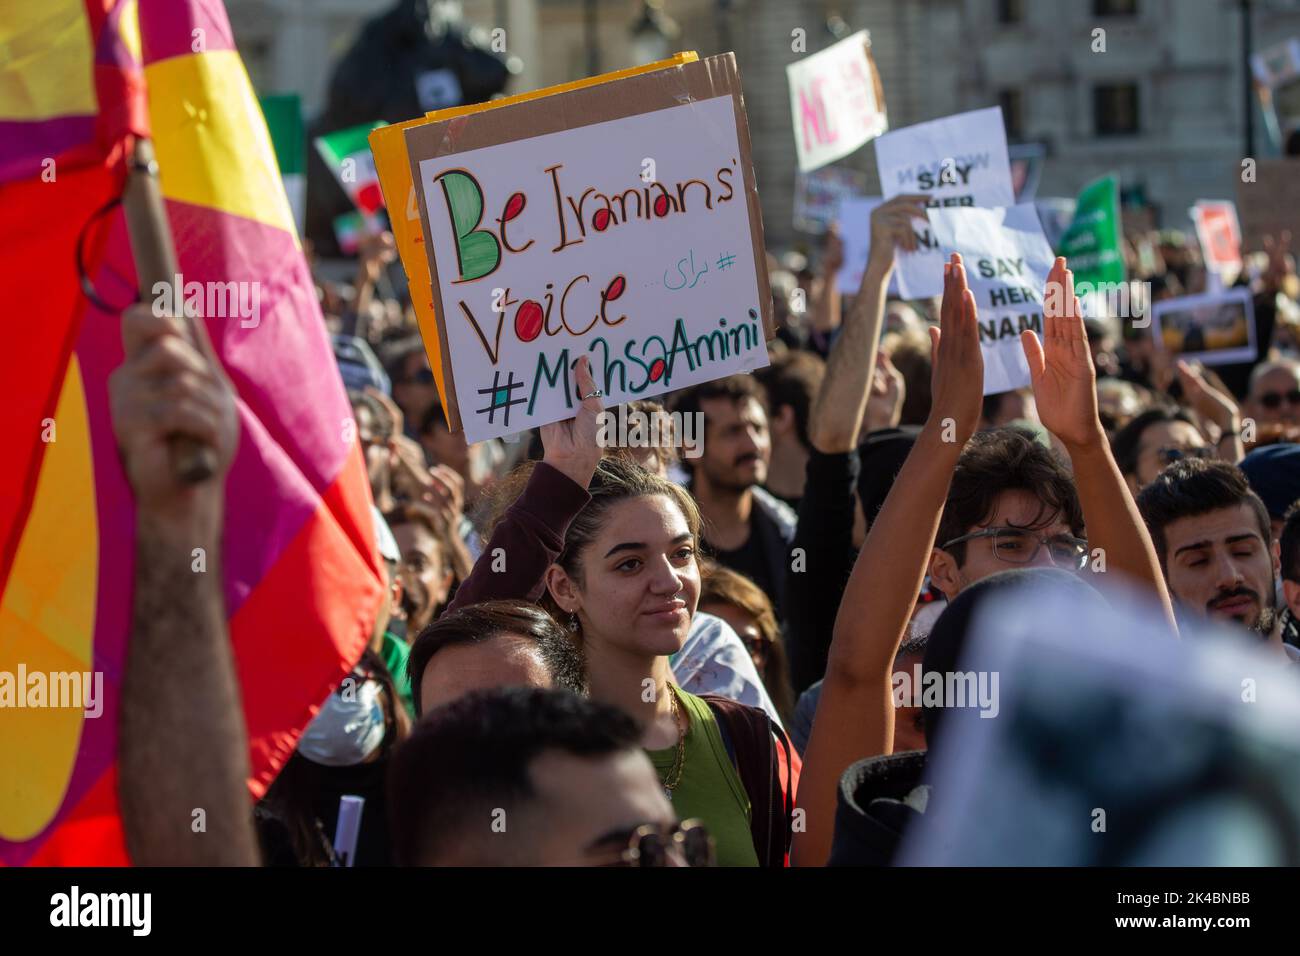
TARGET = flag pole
(155,261)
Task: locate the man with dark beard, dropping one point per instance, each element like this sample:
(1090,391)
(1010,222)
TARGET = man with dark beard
(1215,544)
(746,528)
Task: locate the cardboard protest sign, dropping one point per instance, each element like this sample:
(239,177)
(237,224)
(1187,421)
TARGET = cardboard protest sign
(619,221)
(1007,260)
(1220,237)
(347,153)
(957,161)
(1270,202)
(854,225)
(388,146)
(836,100)
(1214,329)
(1092,242)
(817,196)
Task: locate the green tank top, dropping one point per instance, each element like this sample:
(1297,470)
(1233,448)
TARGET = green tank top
(709,788)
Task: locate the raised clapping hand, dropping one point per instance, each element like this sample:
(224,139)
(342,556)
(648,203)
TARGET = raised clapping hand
(957,375)
(1060,366)
(571,446)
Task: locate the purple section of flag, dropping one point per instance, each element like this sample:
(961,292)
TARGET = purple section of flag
(280,359)
(171,28)
(26,144)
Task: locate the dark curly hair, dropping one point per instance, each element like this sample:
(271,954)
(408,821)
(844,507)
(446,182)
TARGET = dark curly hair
(1197,486)
(1000,460)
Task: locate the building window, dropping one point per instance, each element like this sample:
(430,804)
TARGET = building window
(1115,109)
(1114,8)
(1013,113)
(1011,11)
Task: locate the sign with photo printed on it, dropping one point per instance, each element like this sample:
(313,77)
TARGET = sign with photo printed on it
(1213,329)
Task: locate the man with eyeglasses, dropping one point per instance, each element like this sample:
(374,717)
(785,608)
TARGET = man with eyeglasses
(1012,503)
(532,777)
(999,500)
(1274,397)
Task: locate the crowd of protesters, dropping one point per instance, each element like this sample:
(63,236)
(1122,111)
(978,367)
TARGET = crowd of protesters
(596,655)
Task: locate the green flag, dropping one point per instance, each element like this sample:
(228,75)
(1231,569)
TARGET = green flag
(347,153)
(283,114)
(1091,244)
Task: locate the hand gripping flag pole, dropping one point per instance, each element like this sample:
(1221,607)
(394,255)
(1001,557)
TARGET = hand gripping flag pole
(155,261)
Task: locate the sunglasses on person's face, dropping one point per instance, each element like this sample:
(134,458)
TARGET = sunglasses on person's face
(1018,546)
(653,845)
(1274,400)
(755,645)
(422,376)
(1171,454)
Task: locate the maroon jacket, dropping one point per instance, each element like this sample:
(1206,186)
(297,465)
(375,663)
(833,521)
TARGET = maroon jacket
(530,535)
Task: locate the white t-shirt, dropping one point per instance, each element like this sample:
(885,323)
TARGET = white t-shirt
(714,660)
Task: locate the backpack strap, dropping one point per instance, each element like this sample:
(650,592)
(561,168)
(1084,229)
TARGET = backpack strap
(751,738)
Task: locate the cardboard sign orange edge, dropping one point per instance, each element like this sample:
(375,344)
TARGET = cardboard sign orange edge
(388,146)
(389,149)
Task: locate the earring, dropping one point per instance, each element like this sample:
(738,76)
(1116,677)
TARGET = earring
(573,621)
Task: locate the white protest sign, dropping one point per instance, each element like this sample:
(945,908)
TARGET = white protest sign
(957,161)
(1007,260)
(833,102)
(854,227)
(551,247)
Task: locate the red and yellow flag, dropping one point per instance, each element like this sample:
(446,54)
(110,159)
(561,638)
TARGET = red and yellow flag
(300,573)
